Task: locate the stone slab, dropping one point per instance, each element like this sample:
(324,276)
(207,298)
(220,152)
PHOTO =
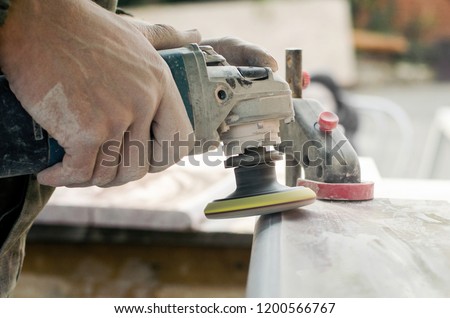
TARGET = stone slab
(379,248)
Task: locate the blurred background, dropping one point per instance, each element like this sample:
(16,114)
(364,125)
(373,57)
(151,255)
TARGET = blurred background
(382,65)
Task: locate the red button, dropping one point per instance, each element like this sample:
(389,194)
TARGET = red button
(327,121)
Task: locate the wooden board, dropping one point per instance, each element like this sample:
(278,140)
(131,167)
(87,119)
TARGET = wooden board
(367,41)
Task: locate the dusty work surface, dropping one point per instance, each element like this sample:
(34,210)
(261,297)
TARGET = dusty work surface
(380,248)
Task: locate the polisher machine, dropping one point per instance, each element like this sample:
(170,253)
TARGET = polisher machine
(252,112)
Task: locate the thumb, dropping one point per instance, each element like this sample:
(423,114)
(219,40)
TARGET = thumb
(239,52)
(163,36)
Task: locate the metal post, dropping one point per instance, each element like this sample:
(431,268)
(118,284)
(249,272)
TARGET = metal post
(294,71)
(294,78)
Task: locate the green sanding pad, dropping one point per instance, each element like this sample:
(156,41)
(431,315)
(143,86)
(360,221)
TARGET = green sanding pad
(288,199)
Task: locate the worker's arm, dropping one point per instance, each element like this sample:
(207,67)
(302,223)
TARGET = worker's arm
(87,76)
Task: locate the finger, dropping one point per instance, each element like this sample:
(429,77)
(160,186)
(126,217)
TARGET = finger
(163,36)
(242,53)
(134,155)
(76,167)
(173,136)
(107,164)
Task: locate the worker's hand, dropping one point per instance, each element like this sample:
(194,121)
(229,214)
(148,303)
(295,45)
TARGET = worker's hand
(236,51)
(163,36)
(87,76)
(242,53)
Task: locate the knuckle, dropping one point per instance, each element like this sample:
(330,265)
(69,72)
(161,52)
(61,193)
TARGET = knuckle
(164,29)
(81,176)
(118,125)
(101,181)
(158,168)
(94,138)
(129,176)
(113,183)
(196,37)
(232,41)
(91,138)
(139,174)
(164,33)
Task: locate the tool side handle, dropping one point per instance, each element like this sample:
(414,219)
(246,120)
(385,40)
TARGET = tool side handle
(325,156)
(25,148)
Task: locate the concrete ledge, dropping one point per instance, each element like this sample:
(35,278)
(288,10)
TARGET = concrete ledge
(114,218)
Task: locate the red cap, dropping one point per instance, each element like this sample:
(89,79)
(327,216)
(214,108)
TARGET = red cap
(327,121)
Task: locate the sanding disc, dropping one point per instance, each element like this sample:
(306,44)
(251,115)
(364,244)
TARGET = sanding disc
(288,199)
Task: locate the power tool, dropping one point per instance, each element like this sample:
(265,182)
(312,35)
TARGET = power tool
(250,110)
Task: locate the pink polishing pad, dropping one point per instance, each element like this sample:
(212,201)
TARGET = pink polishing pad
(339,191)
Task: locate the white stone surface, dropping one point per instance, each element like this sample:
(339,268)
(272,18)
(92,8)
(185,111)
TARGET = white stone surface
(379,248)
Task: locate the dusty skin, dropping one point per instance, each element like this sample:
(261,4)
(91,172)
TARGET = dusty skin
(98,77)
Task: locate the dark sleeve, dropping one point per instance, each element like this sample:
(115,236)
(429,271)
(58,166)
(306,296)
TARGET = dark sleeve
(21,200)
(12,195)
(4,6)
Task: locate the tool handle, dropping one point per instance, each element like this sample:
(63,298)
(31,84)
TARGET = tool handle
(26,148)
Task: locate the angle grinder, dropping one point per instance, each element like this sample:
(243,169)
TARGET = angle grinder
(242,107)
